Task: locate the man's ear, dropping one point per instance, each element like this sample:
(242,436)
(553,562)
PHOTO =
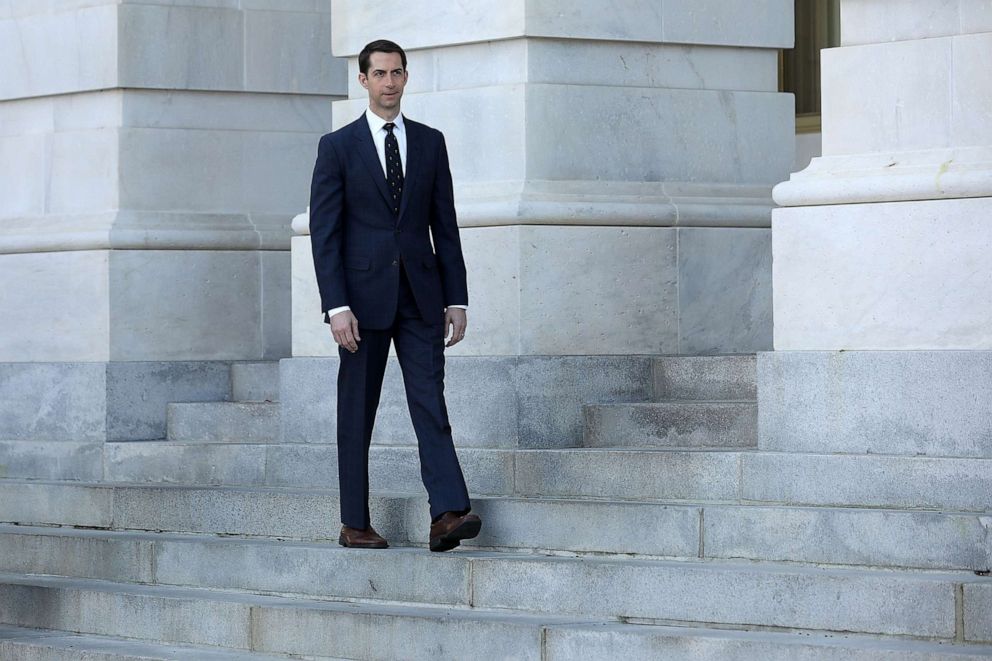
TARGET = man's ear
(364,80)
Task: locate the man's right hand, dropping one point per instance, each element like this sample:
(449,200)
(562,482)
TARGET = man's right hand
(344,328)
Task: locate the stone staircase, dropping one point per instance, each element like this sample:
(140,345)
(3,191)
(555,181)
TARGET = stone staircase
(669,534)
(252,416)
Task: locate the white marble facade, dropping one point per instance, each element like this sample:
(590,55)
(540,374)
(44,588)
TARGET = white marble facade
(152,155)
(598,146)
(615,159)
(883,242)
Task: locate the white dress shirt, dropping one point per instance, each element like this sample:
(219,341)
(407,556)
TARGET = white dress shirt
(377,125)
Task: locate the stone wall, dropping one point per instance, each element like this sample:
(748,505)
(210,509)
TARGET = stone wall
(151,157)
(884,240)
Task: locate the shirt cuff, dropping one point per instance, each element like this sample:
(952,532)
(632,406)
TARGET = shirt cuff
(463,307)
(334,311)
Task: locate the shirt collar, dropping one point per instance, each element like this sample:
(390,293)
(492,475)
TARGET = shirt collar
(377,123)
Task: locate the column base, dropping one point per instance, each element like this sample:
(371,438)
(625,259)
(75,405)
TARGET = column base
(894,275)
(569,290)
(145,305)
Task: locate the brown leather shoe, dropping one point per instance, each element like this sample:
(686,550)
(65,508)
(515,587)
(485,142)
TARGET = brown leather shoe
(451,529)
(354,538)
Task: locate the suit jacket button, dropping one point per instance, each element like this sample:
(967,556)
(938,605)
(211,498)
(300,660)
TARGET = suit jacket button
(395,263)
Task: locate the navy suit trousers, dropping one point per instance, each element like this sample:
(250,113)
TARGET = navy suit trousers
(420,350)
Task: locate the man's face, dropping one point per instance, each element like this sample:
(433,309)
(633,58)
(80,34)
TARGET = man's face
(385,82)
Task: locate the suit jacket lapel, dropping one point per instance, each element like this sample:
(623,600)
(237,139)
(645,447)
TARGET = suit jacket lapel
(414,154)
(367,149)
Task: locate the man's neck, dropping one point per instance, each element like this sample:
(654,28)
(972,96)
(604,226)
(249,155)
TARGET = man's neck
(385,116)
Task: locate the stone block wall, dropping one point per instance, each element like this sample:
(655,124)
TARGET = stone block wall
(152,156)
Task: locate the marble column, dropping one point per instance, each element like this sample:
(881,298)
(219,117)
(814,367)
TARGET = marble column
(613,164)
(152,155)
(882,269)
(885,240)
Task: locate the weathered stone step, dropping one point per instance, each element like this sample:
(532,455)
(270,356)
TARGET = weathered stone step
(22,644)
(255,381)
(758,477)
(672,424)
(260,422)
(281,513)
(223,422)
(886,481)
(843,536)
(633,642)
(937,605)
(269,624)
(576,642)
(391,469)
(51,460)
(868,480)
(705,377)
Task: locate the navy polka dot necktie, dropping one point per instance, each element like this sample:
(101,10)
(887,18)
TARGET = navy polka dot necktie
(394,167)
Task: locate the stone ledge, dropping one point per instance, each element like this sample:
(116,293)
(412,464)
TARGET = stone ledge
(613,203)
(890,177)
(144,230)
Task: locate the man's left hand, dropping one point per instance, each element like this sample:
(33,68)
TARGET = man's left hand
(455,321)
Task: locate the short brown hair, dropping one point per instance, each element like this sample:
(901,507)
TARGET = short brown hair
(378,46)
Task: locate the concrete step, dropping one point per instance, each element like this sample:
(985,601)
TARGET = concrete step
(757,477)
(633,642)
(51,460)
(244,621)
(705,377)
(260,422)
(279,513)
(746,476)
(828,535)
(868,480)
(672,424)
(391,469)
(223,422)
(576,642)
(925,604)
(255,381)
(22,644)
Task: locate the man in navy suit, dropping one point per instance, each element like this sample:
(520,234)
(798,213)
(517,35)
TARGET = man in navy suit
(381,194)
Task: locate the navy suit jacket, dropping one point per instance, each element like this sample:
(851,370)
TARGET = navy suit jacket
(359,242)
